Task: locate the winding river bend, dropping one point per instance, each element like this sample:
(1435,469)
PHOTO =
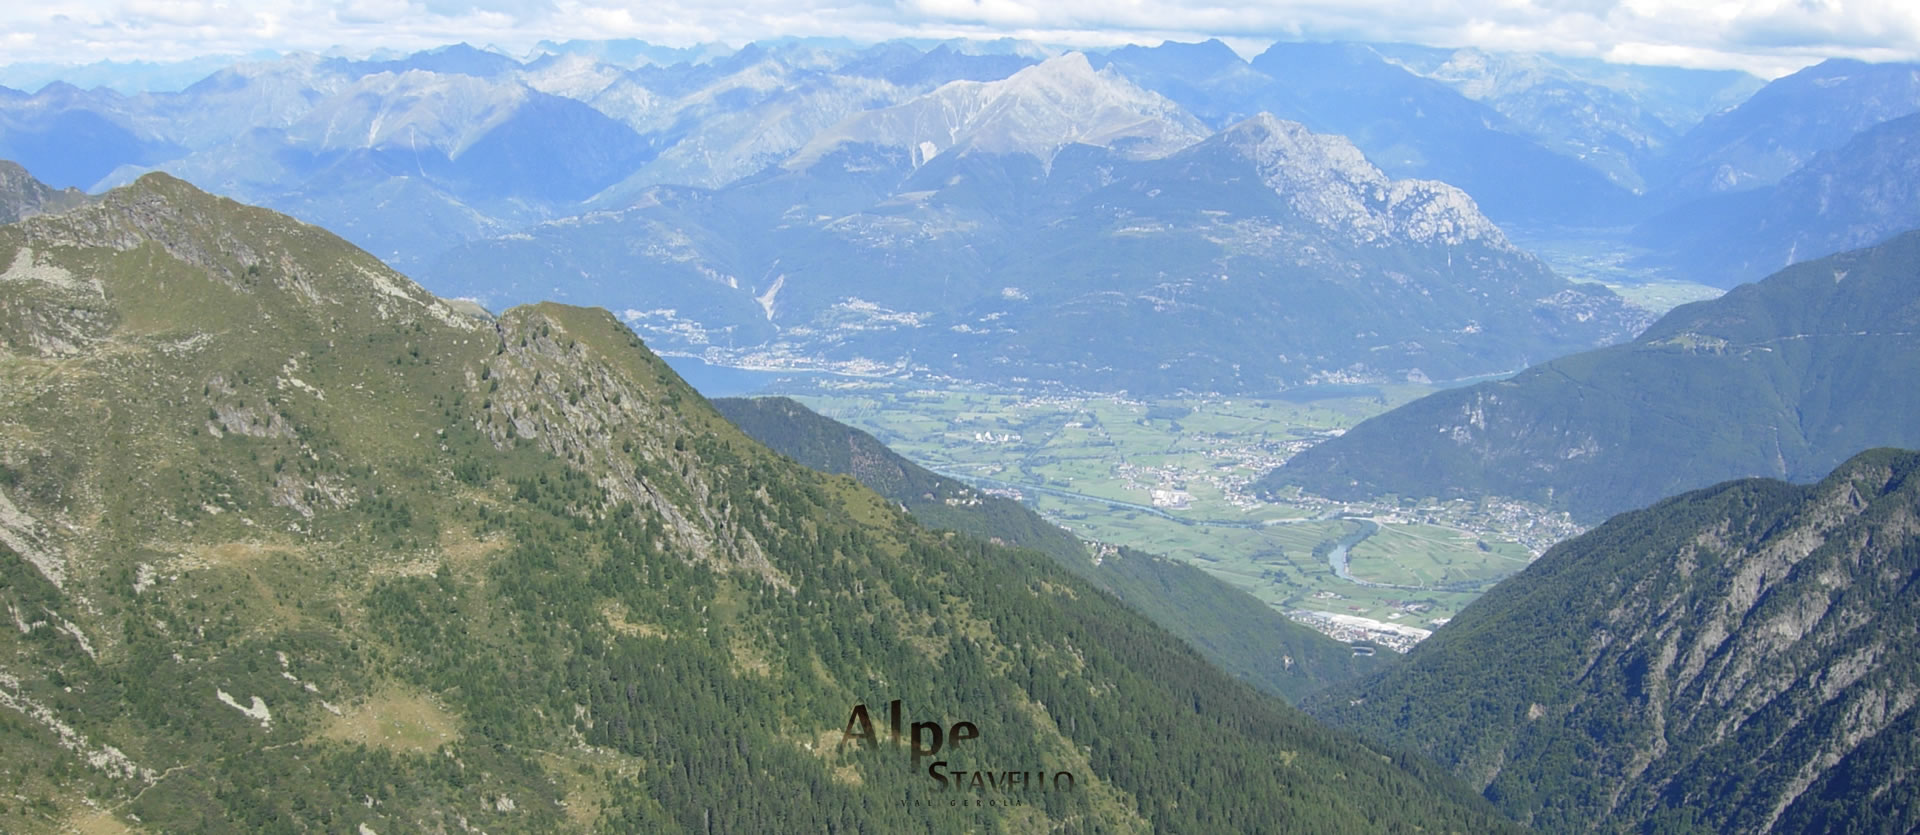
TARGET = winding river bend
(1337,557)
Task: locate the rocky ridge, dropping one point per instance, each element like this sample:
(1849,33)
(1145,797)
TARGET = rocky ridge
(1738,658)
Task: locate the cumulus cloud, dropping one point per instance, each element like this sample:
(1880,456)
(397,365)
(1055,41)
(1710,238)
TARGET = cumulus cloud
(1769,37)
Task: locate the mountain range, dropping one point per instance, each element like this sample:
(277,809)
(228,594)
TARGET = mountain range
(1621,119)
(460,142)
(1735,659)
(1538,140)
(1787,122)
(1846,198)
(442,160)
(290,543)
(876,160)
(1247,261)
(1786,378)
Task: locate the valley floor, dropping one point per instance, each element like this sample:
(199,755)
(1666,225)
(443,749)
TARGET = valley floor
(1175,477)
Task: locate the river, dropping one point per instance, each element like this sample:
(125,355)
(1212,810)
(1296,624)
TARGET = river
(1338,556)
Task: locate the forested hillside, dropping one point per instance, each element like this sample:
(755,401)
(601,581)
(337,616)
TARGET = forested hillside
(291,545)
(1233,629)
(1736,659)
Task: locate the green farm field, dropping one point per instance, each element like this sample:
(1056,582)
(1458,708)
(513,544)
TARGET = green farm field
(1174,477)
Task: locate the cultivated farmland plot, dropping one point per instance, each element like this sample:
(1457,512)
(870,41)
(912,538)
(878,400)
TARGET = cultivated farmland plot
(1175,477)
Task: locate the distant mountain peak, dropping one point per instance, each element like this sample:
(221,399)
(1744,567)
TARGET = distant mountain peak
(1210,52)
(1330,181)
(413,108)
(1036,111)
(1783,125)
(1268,139)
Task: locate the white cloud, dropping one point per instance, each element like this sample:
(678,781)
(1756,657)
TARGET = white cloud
(1766,36)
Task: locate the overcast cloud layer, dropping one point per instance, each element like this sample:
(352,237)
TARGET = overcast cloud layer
(1767,37)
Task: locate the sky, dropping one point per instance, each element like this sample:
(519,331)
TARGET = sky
(1767,37)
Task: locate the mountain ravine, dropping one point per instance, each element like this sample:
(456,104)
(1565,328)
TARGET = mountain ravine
(1736,659)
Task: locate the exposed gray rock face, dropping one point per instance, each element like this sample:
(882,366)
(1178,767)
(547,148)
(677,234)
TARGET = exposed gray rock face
(547,386)
(1328,181)
(1736,659)
(22,196)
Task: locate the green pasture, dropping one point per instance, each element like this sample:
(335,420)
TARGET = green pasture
(1104,450)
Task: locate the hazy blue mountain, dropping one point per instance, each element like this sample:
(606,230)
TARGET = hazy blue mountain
(907,66)
(1409,125)
(1737,659)
(251,95)
(457,142)
(1846,198)
(1785,377)
(279,93)
(456,59)
(124,77)
(718,122)
(1679,97)
(1412,126)
(404,164)
(378,201)
(1269,256)
(708,117)
(578,77)
(70,137)
(1209,79)
(632,52)
(1786,123)
(1616,118)
(1034,112)
(1247,261)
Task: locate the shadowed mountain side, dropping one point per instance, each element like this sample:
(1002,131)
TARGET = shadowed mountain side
(1735,659)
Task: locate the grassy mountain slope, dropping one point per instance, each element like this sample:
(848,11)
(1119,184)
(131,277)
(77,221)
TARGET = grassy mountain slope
(289,544)
(1740,658)
(1784,378)
(1231,628)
